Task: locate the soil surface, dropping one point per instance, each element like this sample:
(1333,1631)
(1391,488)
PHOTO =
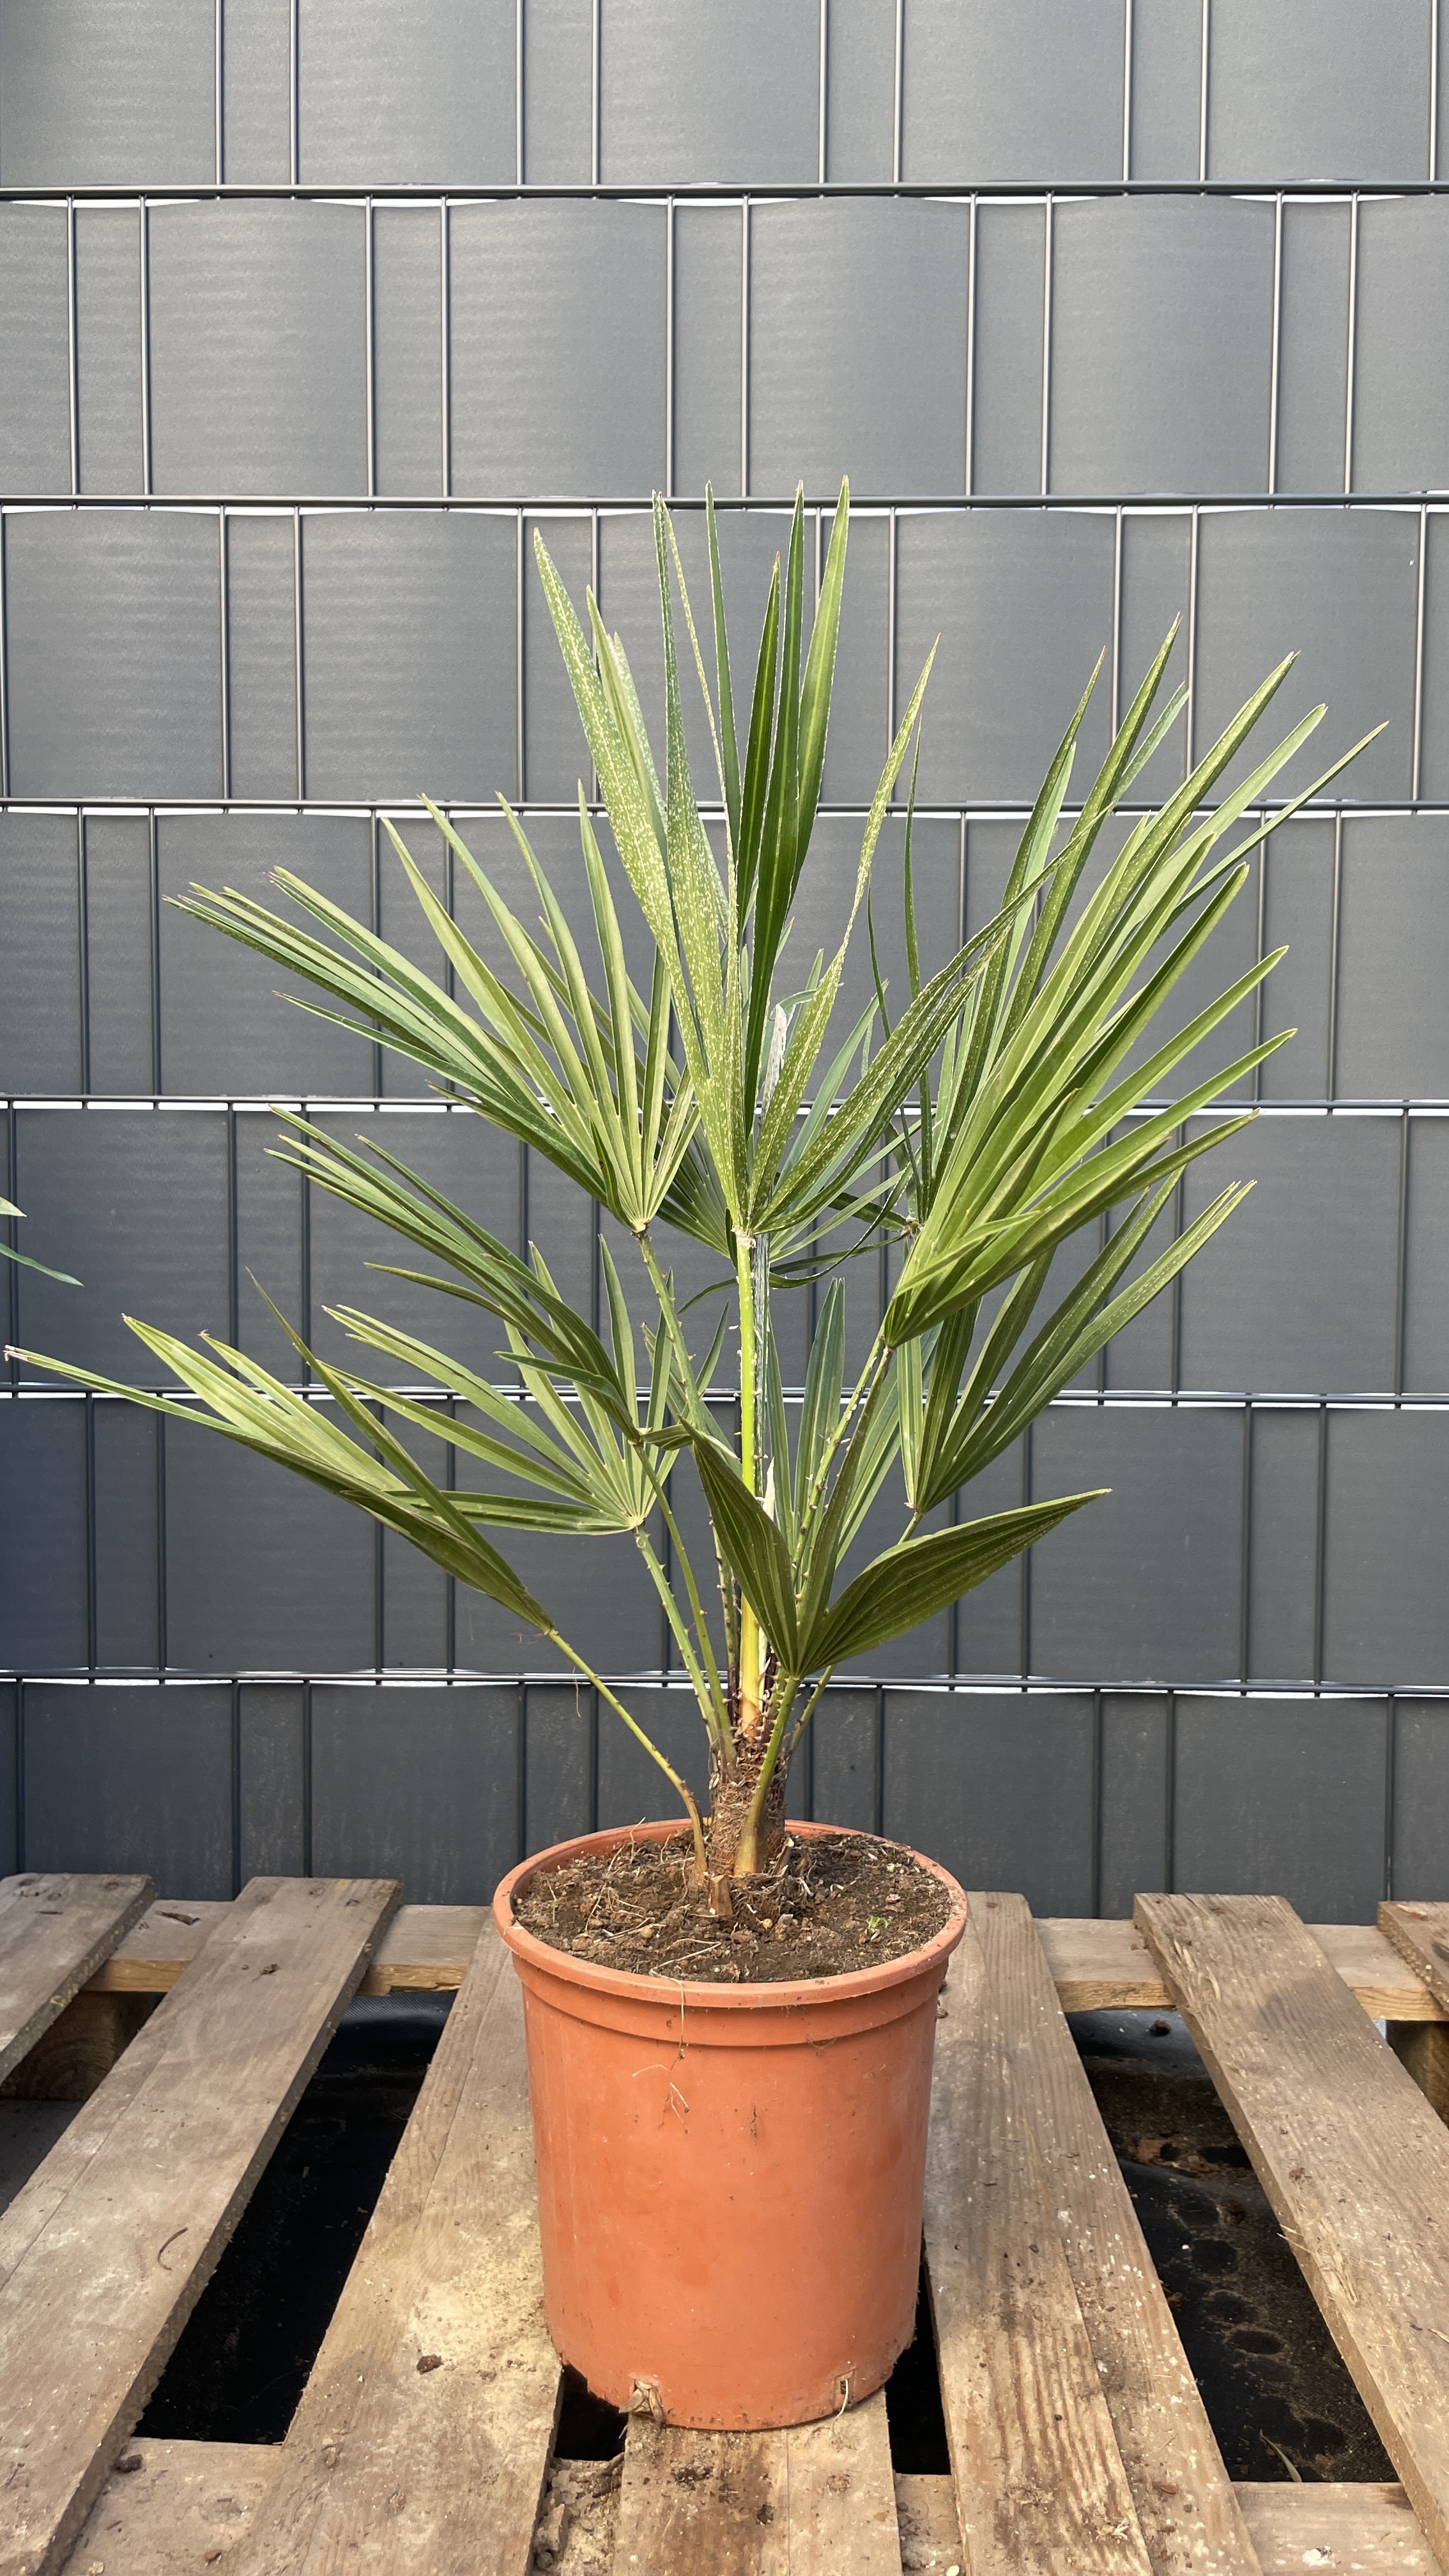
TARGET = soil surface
(841,1902)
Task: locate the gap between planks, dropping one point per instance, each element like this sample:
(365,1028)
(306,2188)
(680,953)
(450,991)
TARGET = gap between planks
(106,2249)
(1353,2159)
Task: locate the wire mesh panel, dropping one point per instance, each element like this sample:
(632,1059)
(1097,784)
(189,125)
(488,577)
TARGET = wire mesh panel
(1113,314)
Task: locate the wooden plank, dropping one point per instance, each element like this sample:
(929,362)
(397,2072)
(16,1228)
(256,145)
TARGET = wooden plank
(183,2508)
(1183,2494)
(1108,1967)
(55,1929)
(423,2434)
(190,2504)
(1098,1966)
(1420,1935)
(1101,1967)
(1386,1988)
(160,1946)
(929,2528)
(1354,2161)
(1356,2530)
(107,2248)
(818,2501)
(427,1949)
(1041,2488)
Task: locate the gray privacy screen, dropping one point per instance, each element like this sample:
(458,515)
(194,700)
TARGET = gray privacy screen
(271,455)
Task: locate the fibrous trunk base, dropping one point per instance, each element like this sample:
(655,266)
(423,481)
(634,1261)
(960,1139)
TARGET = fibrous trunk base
(733,1847)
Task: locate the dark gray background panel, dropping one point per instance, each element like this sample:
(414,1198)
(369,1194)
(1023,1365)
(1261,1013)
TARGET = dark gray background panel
(1230,1669)
(258,348)
(857,348)
(975,97)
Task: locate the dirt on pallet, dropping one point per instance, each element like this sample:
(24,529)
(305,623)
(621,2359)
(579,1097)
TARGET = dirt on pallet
(841,1901)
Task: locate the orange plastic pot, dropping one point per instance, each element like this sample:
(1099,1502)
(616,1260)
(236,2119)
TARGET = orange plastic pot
(729,2177)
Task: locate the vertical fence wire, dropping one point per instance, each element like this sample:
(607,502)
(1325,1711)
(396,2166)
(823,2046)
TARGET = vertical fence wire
(1046,346)
(744,347)
(153,870)
(145,331)
(1416,757)
(1432,89)
(223,573)
(369,256)
(445,344)
(824,88)
(595,90)
(92,1538)
(72,345)
(518,152)
(1095,1858)
(1190,718)
(1116,622)
(1202,103)
(219,102)
(1320,1543)
(1245,1552)
(1276,357)
(1391,1757)
(300,694)
(83,948)
(669,292)
(1335,930)
(1351,352)
(1129,36)
(162,1605)
(1401,1254)
(971,234)
(4,669)
(520,711)
(898,104)
(294,100)
(892,613)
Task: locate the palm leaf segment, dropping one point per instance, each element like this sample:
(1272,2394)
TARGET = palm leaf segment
(1016,1100)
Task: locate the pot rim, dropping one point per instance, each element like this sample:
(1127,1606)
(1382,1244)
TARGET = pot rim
(701,1994)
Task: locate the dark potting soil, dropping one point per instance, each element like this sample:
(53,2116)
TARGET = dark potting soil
(841,1901)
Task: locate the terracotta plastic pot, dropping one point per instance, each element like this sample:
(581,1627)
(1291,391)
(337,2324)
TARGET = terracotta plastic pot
(729,2177)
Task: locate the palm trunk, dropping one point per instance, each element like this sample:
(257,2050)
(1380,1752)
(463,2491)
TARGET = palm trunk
(727,1826)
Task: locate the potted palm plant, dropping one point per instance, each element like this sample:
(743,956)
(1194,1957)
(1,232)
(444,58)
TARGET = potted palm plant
(730,2020)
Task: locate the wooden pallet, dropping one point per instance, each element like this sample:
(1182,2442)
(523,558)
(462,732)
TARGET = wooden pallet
(422,2443)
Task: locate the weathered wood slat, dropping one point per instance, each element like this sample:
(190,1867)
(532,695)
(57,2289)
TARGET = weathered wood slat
(1040,2483)
(1351,2530)
(1420,1935)
(1108,1967)
(819,2501)
(1353,2159)
(929,2527)
(105,2251)
(55,1929)
(182,2512)
(423,2434)
(190,2500)
(1098,1966)
(1183,2494)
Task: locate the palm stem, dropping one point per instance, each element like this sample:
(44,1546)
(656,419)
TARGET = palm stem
(680,1631)
(681,1786)
(747,1860)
